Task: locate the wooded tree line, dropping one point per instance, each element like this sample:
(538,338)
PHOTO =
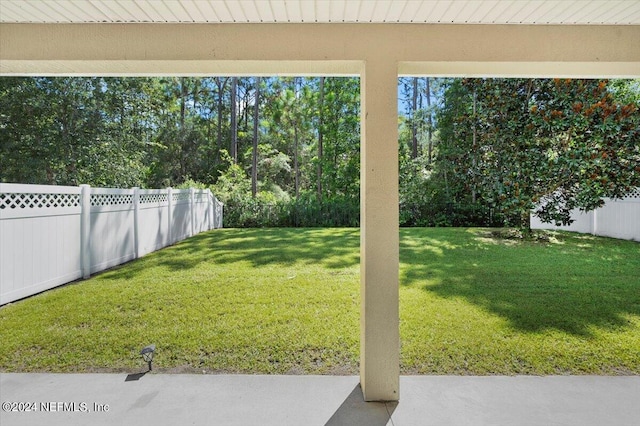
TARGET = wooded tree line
(285,151)
(258,141)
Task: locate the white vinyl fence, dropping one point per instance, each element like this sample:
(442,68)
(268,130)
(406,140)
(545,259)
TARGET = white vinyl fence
(51,235)
(616,219)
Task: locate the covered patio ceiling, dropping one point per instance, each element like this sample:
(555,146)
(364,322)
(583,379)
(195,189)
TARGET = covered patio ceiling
(377,40)
(555,12)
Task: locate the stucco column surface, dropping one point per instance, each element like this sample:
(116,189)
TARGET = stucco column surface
(379,233)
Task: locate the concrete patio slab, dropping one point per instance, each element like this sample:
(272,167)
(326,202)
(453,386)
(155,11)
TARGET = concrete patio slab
(164,399)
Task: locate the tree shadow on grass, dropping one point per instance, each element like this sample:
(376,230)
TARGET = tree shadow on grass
(570,285)
(331,248)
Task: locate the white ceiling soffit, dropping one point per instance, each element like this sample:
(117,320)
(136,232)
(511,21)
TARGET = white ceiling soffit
(544,12)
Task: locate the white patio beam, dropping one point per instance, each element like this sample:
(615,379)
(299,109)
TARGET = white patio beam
(313,49)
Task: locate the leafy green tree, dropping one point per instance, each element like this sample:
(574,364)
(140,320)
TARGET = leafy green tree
(341,138)
(24,149)
(67,131)
(544,145)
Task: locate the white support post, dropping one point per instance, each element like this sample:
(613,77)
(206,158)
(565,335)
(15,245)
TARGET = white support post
(379,232)
(170,214)
(85,230)
(220,217)
(136,221)
(217,213)
(192,210)
(210,201)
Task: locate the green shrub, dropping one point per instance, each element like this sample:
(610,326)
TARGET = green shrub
(305,212)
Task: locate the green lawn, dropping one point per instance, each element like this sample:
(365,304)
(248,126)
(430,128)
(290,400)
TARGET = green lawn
(287,301)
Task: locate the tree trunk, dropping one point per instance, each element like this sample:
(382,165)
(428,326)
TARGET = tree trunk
(474,150)
(183,97)
(414,119)
(254,160)
(196,92)
(320,136)
(430,123)
(183,139)
(525,224)
(295,160)
(234,120)
(220,83)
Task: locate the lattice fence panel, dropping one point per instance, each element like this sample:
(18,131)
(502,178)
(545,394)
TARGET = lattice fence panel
(635,193)
(104,200)
(153,198)
(180,196)
(17,201)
